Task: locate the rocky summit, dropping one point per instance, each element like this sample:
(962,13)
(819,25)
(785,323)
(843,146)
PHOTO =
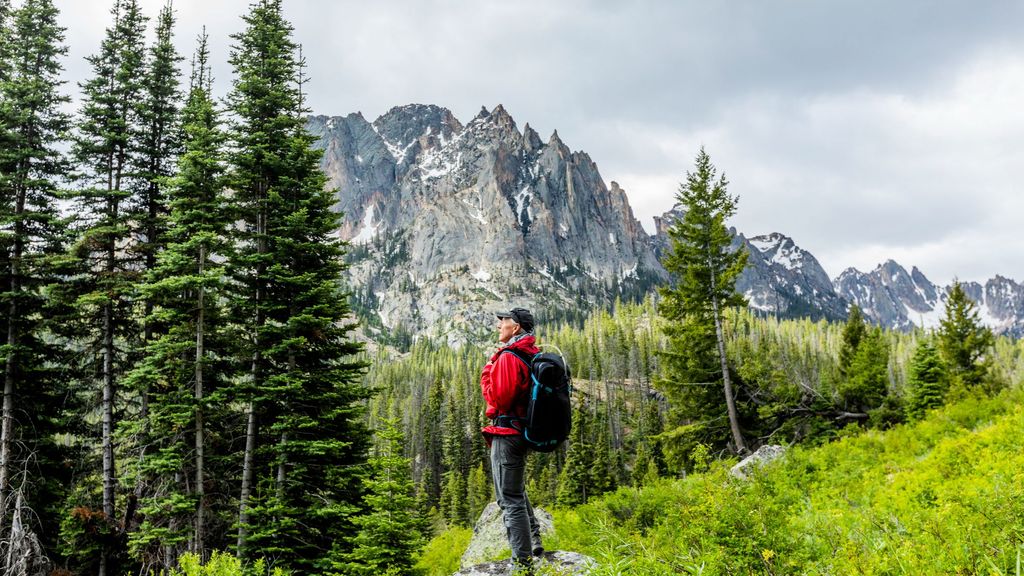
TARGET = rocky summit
(451,221)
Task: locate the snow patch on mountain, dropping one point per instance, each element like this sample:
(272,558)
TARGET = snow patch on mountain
(368,231)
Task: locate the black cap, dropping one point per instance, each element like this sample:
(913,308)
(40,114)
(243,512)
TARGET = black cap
(520,316)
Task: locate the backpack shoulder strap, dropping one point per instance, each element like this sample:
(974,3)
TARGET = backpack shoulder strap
(525,359)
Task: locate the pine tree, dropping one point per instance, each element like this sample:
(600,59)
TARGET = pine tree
(927,382)
(705,269)
(853,333)
(33,480)
(305,440)
(187,366)
(964,342)
(390,533)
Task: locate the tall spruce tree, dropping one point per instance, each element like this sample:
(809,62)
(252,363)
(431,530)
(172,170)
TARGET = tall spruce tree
(705,269)
(32,169)
(964,342)
(105,147)
(188,364)
(305,441)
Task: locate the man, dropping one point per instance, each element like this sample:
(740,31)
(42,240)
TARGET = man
(505,384)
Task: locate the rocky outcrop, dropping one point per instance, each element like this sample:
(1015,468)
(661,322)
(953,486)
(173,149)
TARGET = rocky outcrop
(763,456)
(567,563)
(489,538)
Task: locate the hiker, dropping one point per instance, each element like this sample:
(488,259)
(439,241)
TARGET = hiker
(505,383)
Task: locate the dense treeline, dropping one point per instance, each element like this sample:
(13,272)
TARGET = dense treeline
(797,381)
(179,375)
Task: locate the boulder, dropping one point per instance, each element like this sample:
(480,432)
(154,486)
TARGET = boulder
(567,563)
(489,537)
(763,455)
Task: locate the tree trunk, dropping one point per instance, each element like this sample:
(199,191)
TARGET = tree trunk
(7,425)
(730,401)
(200,431)
(247,466)
(250,435)
(8,407)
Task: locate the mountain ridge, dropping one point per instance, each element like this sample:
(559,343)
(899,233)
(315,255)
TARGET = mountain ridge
(450,221)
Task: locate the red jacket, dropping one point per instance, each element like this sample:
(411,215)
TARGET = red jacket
(505,383)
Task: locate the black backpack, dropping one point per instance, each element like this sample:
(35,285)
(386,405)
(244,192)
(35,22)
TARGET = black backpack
(549,416)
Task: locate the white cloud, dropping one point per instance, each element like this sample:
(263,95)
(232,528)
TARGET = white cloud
(864,176)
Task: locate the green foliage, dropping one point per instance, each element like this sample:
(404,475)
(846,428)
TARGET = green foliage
(187,366)
(221,564)
(575,478)
(937,497)
(441,556)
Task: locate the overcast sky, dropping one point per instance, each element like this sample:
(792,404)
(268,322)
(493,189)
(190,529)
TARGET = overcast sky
(863,129)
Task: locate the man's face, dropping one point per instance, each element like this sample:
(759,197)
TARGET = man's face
(507,328)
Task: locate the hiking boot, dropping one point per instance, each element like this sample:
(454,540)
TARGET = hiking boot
(538,551)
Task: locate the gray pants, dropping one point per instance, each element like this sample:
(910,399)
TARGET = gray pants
(508,468)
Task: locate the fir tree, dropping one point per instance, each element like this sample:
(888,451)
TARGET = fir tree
(390,533)
(305,441)
(188,364)
(964,342)
(853,333)
(32,169)
(574,480)
(481,491)
(705,269)
(159,145)
(867,385)
(104,147)
(927,381)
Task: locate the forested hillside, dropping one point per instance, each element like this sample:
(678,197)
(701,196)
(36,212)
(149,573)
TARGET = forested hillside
(790,375)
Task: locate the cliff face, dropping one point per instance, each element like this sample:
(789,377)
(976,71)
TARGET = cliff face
(450,222)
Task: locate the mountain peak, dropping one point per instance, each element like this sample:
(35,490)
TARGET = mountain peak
(531,139)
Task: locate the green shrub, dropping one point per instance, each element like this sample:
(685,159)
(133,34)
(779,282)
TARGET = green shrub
(440,557)
(222,564)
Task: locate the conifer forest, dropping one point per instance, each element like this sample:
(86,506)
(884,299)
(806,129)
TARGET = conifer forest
(186,389)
